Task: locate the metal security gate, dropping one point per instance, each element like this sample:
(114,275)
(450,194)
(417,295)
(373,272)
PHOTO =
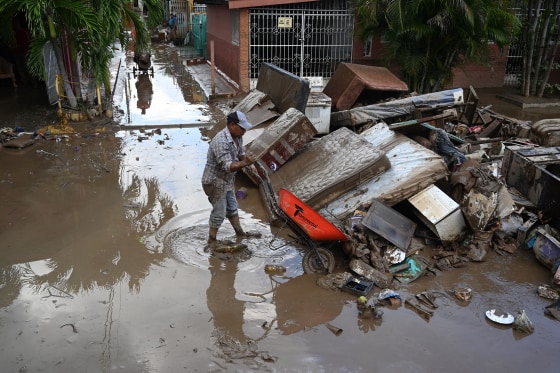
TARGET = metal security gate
(514,62)
(305,41)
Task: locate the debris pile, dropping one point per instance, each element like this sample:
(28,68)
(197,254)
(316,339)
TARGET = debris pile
(461,179)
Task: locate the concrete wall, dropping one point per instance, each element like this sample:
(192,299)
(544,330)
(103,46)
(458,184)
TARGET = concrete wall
(477,75)
(487,75)
(226,54)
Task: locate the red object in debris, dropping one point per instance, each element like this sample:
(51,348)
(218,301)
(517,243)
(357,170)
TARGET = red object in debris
(476,129)
(313,224)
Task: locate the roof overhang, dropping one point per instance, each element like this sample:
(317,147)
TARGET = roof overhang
(237,4)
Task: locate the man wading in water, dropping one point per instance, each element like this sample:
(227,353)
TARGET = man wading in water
(225,157)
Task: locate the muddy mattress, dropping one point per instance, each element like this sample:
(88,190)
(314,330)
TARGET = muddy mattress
(413,168)
(328,167)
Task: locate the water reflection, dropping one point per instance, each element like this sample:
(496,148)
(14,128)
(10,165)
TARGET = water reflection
(145,92)
(227,311)
(167,89)
(148,208)
(301,304)
(73,232)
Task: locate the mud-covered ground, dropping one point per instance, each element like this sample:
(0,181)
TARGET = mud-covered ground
(104,266)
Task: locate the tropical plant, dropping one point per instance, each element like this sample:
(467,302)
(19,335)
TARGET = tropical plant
(89,29)
(429,38)
(540,39)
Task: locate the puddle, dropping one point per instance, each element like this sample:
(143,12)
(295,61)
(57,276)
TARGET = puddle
(164,95)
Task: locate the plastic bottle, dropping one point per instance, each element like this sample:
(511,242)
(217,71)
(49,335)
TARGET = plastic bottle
(274,269)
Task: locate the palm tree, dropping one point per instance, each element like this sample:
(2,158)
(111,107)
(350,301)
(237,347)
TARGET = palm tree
(91,28)
(428,38)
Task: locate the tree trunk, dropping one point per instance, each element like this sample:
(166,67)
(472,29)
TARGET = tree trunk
(91,91)
(548,70)
(533,10)
(542,48)
(60,61)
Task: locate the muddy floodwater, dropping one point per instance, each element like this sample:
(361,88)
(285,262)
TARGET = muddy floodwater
(104,267)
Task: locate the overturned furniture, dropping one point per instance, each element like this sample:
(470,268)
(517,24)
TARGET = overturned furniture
(535,173)
(441,214)
(350,81)
(280,141)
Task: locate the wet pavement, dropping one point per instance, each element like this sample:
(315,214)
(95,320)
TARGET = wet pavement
(104,265)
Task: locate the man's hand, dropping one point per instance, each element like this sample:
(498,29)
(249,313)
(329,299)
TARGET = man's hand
(249,159)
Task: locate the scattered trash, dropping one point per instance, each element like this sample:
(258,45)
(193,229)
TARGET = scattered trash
(522,323)
(40,151)
(241,193)
(334,281)
(480,246)
(502,318)
(367,310)
(548,292)
(427,314)
(273,269)
(17,141)
(546,246)
(229,248)
(415,269)
(390,295)
(403,266)
(379,278)
(553,310)
(358,286)
(463,294)
(334,329)
(427,298)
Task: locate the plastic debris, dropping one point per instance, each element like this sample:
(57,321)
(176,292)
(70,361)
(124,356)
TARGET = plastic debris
(504,319)
(522,323)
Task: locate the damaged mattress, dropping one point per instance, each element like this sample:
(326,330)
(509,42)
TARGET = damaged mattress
(326,168)
(413,168)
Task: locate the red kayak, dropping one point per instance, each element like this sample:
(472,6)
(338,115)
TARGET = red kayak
(310,221)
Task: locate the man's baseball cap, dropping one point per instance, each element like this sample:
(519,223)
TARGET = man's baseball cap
(239,118)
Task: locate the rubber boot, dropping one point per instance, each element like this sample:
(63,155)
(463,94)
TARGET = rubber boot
(239,232)
(213,233)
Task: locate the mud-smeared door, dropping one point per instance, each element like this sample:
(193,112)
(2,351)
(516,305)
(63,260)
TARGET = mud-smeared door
(305,41)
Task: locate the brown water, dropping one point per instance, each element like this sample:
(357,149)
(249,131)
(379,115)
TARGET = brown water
(104,268)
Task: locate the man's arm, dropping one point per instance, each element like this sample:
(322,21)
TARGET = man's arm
(246,159)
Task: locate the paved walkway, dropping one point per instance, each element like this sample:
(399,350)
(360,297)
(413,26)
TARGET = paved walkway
(214,85)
